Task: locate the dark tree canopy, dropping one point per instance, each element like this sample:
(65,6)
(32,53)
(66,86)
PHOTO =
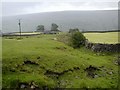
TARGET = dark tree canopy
(77,39)
(73,30)
(40,28)
(54,27)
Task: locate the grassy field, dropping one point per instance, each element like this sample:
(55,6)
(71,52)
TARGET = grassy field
(49,63)
(109,37)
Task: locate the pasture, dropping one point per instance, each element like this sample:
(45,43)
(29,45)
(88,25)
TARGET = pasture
(52,64)
(108,37)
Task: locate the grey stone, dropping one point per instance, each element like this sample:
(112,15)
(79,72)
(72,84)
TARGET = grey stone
(22,86)
(96,76)
(110,73)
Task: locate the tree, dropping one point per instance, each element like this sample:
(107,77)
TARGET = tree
(77,40)
(73,30)
(40,28)
(54,27)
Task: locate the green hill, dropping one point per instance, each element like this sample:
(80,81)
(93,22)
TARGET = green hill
(48,63)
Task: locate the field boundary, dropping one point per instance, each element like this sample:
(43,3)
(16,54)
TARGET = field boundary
(99,47)
(100,31)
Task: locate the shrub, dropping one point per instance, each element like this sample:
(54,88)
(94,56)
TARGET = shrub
(65,38)
(77,40)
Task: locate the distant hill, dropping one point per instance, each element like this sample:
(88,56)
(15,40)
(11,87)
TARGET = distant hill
(84,20)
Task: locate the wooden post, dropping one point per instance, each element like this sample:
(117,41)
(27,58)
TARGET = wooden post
(19,28)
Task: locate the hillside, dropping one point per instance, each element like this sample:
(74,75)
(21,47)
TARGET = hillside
(47,63)
(84,20)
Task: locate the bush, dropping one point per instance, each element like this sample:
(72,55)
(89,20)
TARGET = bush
(77,40)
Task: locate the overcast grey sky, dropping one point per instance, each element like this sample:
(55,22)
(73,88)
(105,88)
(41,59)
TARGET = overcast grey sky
(16,7)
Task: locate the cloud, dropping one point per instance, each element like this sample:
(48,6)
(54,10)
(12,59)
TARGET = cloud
(54,6)
(13,8)
(60,0)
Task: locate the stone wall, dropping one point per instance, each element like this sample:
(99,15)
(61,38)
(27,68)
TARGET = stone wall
(98,47)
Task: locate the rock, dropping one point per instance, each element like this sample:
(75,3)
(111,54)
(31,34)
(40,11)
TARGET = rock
(32,86)
(76,77)
(62,82)
(118,61)
(98,54)
(110,73)
(22,86)
(54,38)
(96,76)
(103,54)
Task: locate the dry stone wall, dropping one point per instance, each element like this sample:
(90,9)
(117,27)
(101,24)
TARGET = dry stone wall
(98,47)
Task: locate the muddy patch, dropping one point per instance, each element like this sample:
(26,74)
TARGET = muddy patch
(58,74)
(38,57)
(29,62)
(91,71)
(60,48)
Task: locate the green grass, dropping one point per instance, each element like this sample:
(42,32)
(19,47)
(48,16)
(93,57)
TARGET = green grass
(109,37)
(57,57)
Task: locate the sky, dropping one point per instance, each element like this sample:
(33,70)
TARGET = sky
(17,7)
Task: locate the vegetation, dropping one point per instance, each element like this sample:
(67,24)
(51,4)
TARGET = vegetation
(74,38)
(54,27)
(77,39)
(73,30)
(53,64)
(40,28)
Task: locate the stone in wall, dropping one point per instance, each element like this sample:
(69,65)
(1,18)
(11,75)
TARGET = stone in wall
(98,47)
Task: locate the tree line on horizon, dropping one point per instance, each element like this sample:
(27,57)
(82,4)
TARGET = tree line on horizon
(41,28)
